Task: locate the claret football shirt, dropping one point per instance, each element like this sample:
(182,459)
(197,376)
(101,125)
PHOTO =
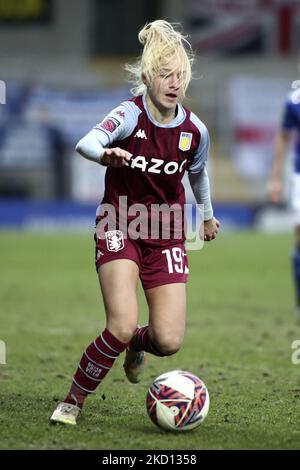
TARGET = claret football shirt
(160,156)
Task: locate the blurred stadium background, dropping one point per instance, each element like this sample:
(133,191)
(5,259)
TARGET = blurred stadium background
(61,72)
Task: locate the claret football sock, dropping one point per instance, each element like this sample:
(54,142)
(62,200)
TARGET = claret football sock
(96,362)
(141,341)
(76,396)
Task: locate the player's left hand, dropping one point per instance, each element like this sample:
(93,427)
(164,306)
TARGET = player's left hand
(211,229)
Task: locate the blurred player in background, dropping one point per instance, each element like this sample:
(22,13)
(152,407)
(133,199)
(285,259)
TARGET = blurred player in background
(146,143)
(290,128)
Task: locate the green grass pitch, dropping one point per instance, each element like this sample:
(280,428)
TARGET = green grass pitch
(240,327)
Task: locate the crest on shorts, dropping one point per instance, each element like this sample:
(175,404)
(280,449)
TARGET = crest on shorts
(114,240)
(185,141)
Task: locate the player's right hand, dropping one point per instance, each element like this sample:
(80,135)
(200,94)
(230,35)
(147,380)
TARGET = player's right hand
(116,157)
(274,191)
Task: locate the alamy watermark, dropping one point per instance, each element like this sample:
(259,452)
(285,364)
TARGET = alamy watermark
(174,222)
(295,357)
(2,352)
(2,92)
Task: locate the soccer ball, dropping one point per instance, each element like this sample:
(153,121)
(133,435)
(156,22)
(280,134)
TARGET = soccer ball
(177,401)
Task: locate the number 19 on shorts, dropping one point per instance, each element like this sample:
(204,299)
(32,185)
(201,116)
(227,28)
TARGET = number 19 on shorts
(175,258)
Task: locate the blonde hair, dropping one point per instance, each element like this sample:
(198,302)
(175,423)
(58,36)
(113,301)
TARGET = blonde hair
(162,44)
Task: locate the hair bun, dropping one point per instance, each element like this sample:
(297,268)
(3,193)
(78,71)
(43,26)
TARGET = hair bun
(144,33)
(163,46)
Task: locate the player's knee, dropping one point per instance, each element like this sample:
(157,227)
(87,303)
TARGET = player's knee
(123,333)
(167,346)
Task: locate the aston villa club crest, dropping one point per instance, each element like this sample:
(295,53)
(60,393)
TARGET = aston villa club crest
(185,141)
(114,240)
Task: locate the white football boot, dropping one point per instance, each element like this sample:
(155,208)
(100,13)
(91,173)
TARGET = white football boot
(65,413)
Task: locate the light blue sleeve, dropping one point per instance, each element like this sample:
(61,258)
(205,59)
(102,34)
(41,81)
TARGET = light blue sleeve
(117,125)
(202,152)
(201,189)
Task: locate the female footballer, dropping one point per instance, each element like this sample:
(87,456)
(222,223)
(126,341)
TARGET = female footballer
(147,143)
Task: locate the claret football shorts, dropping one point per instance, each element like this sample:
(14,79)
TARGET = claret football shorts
(158,265)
